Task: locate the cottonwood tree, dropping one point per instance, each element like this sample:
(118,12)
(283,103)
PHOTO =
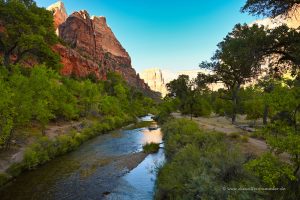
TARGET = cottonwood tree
(26,32)
(269,8)
(284,42)
(179,87)
(184,89)
(235,61)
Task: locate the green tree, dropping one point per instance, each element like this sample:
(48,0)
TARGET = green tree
(179,87)
(281,41)
(235,63)
(269,8)
(7,114)
(185,90)
(27,31)
(282,137)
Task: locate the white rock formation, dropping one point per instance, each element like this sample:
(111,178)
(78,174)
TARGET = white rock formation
(59,13)
(154,78)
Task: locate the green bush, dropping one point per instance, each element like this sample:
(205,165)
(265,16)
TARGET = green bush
(202,108)
(245,138)
(235,135)
(4,178)
(45,149)
(41,94)
(15,169)
(201,165)
(151,147)
(178,133)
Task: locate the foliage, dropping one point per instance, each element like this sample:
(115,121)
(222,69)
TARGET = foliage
(272,170)
(45,149)
(201,107)
(3,179)
(40,94)
(282,137)
(200,165)
(168,106)
(191,96)
(254,106)
(177,133)
(269,8)
(233,63)
(151,147)
(28,33)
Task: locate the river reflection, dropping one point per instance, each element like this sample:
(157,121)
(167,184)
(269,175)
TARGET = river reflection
(97,170)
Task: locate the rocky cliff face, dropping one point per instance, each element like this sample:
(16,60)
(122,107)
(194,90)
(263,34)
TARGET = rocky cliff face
(154,78)
(59,13)
(91,48)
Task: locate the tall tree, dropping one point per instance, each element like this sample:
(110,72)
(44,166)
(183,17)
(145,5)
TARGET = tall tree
(184,89)
(179,87)
(283,41)
(235,62)
(26,31)
(269,8)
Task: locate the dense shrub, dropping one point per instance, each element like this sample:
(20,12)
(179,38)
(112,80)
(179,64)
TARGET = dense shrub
(3,179)
(202,166)
(41,94)
(151,147)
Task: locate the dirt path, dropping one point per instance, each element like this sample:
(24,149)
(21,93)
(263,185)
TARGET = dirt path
(57,129)
(223,125)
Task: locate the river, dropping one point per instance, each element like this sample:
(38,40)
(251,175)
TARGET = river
(110,166)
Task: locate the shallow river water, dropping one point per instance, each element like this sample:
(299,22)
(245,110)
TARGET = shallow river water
(105,167)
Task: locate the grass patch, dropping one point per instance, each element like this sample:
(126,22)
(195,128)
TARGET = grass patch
(3,179)
(245,138)
(257,135)
(235,135)
(151,147)
(15,169)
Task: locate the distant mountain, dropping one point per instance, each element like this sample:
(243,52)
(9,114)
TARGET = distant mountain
(90,48)
(154,78)
(157,78)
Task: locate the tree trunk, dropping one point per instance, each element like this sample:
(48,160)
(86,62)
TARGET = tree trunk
(6,61)
(266,114)
(191,107)
(234,103)
(295,118)
(8,141)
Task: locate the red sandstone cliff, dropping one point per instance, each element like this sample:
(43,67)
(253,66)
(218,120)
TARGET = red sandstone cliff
(91,48)
(59,13)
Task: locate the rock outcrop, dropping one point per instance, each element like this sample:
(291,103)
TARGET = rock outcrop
(91,49)
(154,78)
(59,13)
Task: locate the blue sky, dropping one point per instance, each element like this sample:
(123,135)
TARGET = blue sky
(169,34)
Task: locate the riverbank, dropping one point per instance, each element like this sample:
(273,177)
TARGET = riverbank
(109,166)
(58,139)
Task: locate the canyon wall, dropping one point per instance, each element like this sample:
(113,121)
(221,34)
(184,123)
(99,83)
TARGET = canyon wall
(154,78)
(90,48)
